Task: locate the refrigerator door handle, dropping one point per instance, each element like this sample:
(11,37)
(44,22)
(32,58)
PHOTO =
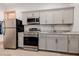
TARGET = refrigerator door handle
(4,28)
(4,31)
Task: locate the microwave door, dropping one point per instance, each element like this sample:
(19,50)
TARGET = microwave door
(31,20)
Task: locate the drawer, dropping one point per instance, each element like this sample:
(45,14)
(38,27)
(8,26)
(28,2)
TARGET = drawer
(51,36)
(74,36)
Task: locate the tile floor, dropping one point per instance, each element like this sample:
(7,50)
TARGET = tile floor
(21,52)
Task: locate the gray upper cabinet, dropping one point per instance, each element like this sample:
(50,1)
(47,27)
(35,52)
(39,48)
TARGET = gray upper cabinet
(52,16)
(43,17)
(46,17)
(34,14)
(57,17)
(24,17)
(49,17)
(68,16)
(73,44)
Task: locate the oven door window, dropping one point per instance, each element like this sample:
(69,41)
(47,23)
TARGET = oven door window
(31,41)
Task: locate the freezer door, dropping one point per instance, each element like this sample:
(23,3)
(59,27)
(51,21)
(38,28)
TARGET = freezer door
(10,19)
(10,38)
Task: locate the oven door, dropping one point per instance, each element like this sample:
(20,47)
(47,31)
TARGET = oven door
(31,41)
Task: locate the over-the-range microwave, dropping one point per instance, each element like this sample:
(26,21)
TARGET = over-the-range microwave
(33,21)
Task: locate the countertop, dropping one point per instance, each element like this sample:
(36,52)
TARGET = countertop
(52,33)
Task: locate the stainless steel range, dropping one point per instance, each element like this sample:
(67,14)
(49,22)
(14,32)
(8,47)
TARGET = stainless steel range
(31,39)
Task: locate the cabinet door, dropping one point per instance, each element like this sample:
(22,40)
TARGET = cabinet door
(51,43)
(43,16)
(73,43)
(49,17)
(33,14)
(24,17)
(42,41)
(20,39)
(68,16)
(57,17)
(62,43)
(30,14)
(37,14)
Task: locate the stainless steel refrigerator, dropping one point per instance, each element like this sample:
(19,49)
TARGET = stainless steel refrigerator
(9,30)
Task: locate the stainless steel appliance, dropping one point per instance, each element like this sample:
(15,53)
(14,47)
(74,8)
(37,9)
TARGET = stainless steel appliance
(31,38)
(19,26)
(33,21)
(10,30)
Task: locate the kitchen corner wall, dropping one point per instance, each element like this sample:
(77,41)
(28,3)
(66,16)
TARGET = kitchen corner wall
(76,17)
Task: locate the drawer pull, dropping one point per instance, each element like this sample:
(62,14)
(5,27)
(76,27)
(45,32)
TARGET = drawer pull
(68,41)
(56,41)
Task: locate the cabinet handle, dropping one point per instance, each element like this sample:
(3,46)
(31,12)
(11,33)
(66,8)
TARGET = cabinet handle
(32,14)
(68,41)
(56,41)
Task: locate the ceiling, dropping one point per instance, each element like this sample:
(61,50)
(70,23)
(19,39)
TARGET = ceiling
(29,4)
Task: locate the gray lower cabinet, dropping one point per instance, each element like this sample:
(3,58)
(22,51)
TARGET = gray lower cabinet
(42,41)
(56,43)
(51,43)
(73,44)
(62,43)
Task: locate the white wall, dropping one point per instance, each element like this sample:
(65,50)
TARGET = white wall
(76,17)
(1,19)
(1,13)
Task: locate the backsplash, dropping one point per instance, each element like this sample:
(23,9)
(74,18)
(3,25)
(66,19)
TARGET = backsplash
(49,28)
(46,28)
(26,27)
(43,28)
